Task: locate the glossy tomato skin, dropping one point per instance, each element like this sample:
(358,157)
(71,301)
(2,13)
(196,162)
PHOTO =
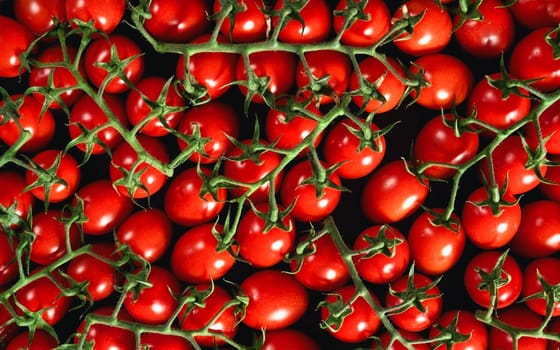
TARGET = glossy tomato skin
(276,300)
(184,204)
(549,123)
(8,264)
(468,325)
(364,32)
(162,341)
(16,38)
(316,26)
(536,13)
(41,340)
(249,25)
(288,338)
(195,259)
(517,316)
(178,21)
(105,337)
(549,269)
(392,193)
(105,14)
(13,194)
(39,15)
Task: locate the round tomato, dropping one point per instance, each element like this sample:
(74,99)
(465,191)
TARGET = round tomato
(464,323)
(549,270)
(40,340)
(552,190)
(105,14)
(288,339)
(536,13)
(8,329)
(177,20)
(12,195)
(519,317)
(15,39)
(314,26)
(162,341)
(106,337)
(549,123)
(364,31)
(248,25)
(39,15)
(8,264)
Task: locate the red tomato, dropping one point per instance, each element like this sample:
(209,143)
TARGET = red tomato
(39,15)
(195,259)
(215,121)
(154,304)
(8,264)
(412,318)
(552,190)
(539,232)
(40,340)
(8,330)
(15,39)
(554,328)
(106,337)
(450,81)
(66,169)
(315,24)
(390,262)
(185,205)
(162,341)
(87,114)
(14,196)
(536,13)
(431,34)
(105,14)
(485,229)
(364,32)
(508,287)
(100,52)
(288,339)
(392,193)
(387,84)
(437,142)
(248,25)
(147,232)
(385,338)
(271,307)
(549,122)
(518,317)
(308,205)
(549,270)
(357,326)
(138,110)
(178,20)
(464,323)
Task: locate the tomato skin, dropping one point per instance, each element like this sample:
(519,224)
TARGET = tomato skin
(41,340)
(8,264)
(183,203)
(176,20)
(517,316)
(536,13)
(162,341)
(549,269)
(38,15)
(106,14)
(468,325)
(248,26)
(107,337)
(14,194)
(195,259)
(554,328)
(539,232)
(551,191)
(317,17)
(364,33)
(288,339)
(270,306)
(485,262)
(8,330)
(392,193)
(549,122)
(15,41)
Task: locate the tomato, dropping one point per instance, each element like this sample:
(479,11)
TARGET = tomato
(214,121)
(156,303)
(200,316)
(162,341)
(276,300)
(315,24)
(103,207)
(364,32)
(518,317)
(539,232)
(288,338)
(99,52)
(40,340)
(464,323)
(483,227)
(390,261)
(195,259)
(309,206)
(13,197)
(40,125)
(322,268)
(252,168)
(450,81)
(551,190)
(438,143)
(8,264)
(385,338)
(508,285)
(333,66)
(8,329)
(137,108)
(387,84)
(392,193)
(177,20)
(184,203)
(536,13)
(490,36)
(554,328)
(66,169)
(147,232)
(509,160)
(39,15)
(15,38)
(431,34)
(50,238)
(533,58)
(87,114)
(106,337)
(493,108)
(248,25)
(549,122)
(549,270)
(105,14)
(101,277)
(412,318)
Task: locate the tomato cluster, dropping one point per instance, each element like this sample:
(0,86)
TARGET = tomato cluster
(288,174)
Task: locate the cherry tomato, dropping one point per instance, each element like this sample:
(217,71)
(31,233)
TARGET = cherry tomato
(549,123)
(105,14)
(536,13)
(364,32)
(39,15)
(249,25)
(466,324)
(176,20)
(519,317)
(162,341)
(554,328)
(8,264)
(549,270)
(106,337)
(15,38)
(551,190)
(40,340)
(13,195)
(288,338)
(315,24)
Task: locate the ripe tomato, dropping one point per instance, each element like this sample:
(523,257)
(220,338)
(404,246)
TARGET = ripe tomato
(314,26)
(177,20)
(195,259)
(13,194)
(8,264)
(549,270)
(551,190)
(390,262)
(485,229)
(508,285)
(431,34)
(39,15)
(357,326)
(288,338)
(154,304)
(536,13)
(105,14)
(40,340)
(147,232)
(249,25)
(519,317)
(100,52)
(554,328)
(364,32)
(413,319)
(276,300)
(437,142)
(450,81)
(15,38)
(162,341)
(392,193)
(308,205)
(465,323)
(385,338)
(185,205)
(66,170)
(106,337)
(549,122)
(137,109)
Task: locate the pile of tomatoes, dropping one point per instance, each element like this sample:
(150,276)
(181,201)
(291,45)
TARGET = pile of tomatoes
(287,174)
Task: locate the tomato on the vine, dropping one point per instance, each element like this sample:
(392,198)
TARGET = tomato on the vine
(39,16)
(39,340)
(314,26)
(518,317)
(549,124)
(364,32)
(105,14)
(8,264)
(547,269)
(465,323)
(247,26)
(13,195)
(385,339)
(106,337)
(15,38)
